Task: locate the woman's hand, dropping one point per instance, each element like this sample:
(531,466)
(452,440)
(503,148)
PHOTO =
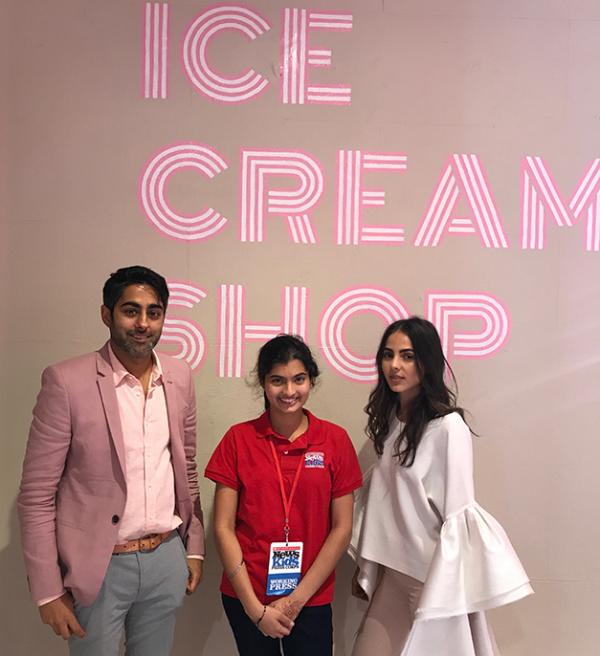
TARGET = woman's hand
(357,591)
(275,624)
(290,606)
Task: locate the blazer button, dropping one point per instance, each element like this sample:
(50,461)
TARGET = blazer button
(115,519)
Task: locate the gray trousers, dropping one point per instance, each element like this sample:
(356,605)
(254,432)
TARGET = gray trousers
(138,598)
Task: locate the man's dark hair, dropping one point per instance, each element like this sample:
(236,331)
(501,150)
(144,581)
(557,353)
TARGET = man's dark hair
(133,275)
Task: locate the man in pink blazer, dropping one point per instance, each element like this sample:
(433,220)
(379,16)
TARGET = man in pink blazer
(109,504)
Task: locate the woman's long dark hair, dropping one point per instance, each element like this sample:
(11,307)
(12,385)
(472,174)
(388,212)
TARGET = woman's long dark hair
(435,398)
(281,350)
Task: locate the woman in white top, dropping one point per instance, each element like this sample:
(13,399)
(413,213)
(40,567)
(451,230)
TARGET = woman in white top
(429,559)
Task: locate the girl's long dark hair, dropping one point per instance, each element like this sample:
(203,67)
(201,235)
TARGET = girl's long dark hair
(435,399)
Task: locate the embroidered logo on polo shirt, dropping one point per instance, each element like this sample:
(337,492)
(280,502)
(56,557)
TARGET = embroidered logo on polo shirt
(314,459)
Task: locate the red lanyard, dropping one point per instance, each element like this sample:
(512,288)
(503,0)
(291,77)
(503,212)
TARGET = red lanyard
(287,501)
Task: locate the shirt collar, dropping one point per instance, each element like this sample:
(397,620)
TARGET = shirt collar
(314,433)
(120,373)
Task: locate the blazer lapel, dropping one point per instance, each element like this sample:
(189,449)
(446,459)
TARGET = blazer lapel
(172,402)
(175,437)
(108,395)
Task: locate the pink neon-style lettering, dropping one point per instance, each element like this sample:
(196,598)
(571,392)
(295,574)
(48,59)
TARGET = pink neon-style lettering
(258,199)
(157,209)
(540,197)
(491,315)
(339,310)
(185,334)
(297,56)
(203,76)
(463,175)
(155,50)
(352,197)
(234,330)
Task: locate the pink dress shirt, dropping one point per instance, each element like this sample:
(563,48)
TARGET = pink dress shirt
(148,470)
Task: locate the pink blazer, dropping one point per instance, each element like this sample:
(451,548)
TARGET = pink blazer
(73,487)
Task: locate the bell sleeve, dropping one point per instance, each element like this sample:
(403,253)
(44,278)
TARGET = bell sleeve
(474,566)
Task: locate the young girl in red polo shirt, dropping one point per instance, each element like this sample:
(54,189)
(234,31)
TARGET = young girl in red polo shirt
(283,511)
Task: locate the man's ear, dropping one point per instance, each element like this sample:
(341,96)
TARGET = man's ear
(106,315)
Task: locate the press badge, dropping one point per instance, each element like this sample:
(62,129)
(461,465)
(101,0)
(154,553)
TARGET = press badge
(285,565)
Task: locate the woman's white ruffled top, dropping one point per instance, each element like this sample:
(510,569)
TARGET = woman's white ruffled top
(424,521)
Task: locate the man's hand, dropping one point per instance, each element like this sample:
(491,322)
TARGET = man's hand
(194,574)
(59,615)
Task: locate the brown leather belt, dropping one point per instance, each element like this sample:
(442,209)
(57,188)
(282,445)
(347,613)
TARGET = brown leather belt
(147,543)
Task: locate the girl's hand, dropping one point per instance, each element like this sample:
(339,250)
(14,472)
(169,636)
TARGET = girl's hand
(289,606)
(275,624)
(357,591)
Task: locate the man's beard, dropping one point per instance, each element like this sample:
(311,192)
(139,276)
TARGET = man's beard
(134,349)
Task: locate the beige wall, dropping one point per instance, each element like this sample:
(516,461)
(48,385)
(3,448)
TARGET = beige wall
(500,80)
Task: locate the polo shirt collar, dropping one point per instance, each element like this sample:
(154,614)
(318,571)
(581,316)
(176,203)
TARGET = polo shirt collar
(314,433)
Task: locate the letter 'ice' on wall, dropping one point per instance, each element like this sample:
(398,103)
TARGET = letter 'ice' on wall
(338,311)
(234,331)
(155,204)
(155,56)
(202,75)
(184,333)
(352,197)
(463,175)
(297,56)
(540,195)
(258,200)
(445,307)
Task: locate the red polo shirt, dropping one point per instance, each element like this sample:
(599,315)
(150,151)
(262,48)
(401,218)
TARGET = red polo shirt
(243,460)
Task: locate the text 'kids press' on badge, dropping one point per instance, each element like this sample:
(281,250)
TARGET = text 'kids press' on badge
(314,460)
(285,565)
